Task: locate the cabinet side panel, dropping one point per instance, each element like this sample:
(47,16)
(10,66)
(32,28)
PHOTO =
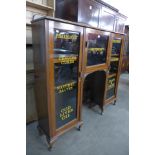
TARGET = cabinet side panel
(38,34)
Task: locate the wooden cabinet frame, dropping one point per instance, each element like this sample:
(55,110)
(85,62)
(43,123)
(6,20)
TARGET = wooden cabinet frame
(43,39)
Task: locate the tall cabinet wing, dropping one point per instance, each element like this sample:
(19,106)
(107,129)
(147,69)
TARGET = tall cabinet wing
(58,51)
(65,49)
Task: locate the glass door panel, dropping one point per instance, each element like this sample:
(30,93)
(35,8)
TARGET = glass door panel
(115,55)
(116,47)
(113,67)
(111,87)
(97,49)
(66,56)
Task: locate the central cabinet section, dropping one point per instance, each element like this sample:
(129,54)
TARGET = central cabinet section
(74,64)
(96,59)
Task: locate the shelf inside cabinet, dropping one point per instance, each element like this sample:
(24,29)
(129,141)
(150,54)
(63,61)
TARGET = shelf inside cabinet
(28,24)
(114,59)
(114,55)
(63,55)
(29,68)
(111,75)
(39,6)
(63,51)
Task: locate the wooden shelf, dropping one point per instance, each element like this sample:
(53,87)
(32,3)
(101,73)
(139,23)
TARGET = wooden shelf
(111,75)
(29,45)
(29,68)
(28,24)
(39,6)
(111,99)
(113,55)
(114,59)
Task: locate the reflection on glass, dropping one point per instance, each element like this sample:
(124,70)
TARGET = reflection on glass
(97,49)
(65,73)
(66,54)
(111,87)
(66,42)
(116,47)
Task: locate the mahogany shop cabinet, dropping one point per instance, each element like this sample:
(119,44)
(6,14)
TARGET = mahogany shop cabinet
(95,66)
(57,63)
(74,63)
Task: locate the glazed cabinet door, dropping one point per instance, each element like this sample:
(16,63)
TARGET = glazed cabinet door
(114,68)
(96,49)
(65,63)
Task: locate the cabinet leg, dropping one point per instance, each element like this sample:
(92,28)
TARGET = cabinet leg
(114,102)
(102,110)
(50,146)
(50,143)
(79,127)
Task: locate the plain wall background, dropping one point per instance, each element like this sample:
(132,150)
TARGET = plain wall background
(122,6)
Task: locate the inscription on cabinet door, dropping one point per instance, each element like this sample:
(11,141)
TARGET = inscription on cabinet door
(111,87)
